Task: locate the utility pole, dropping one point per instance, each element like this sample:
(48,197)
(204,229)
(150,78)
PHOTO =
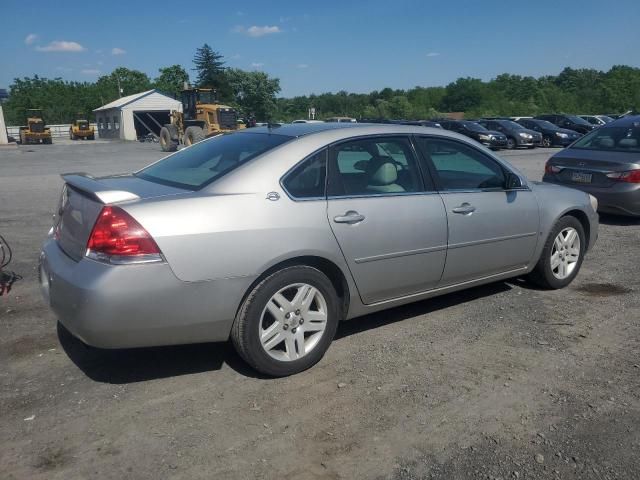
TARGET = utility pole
(119,88)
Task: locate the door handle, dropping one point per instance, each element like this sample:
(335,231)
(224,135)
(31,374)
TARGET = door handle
(465,209)
(349,217)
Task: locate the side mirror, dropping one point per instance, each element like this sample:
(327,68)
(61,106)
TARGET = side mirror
(513,181)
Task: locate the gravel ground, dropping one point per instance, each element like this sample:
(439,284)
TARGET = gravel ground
(502,381)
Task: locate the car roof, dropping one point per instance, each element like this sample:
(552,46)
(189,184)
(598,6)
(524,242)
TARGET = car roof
(629,121)
(350,129)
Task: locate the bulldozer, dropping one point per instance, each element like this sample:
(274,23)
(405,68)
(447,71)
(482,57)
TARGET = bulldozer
(35,131)
(201,117)
(81,128)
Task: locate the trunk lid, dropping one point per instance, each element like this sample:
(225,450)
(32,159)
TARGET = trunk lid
(82,200)
(593,162)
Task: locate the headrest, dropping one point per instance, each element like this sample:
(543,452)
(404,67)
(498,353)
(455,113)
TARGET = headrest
(628,143)
(382,171)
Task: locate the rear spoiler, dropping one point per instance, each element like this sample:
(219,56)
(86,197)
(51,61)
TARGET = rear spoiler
(91,187)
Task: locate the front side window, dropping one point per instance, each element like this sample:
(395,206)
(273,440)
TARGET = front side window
(308,179)
(373,166)
(204,162)
(462,167)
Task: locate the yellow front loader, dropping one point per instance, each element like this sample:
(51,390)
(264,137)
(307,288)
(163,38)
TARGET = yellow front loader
(35,131)
(201,117)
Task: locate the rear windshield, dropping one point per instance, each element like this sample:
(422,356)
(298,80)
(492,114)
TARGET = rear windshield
(203,163)
(611,139)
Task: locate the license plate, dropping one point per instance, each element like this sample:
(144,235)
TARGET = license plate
(580,177)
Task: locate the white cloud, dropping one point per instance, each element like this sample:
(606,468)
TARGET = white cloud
(433,54)
(255,31)
(61,46)
(302,65)
(30,39)
(257,65)
(285,19)
(90,71)
(118,51)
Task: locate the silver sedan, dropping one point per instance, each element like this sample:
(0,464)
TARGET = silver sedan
(271,236)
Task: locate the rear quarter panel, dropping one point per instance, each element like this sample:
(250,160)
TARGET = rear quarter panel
(235,235)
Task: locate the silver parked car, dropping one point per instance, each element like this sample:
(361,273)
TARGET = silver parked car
(271,236)
(604,163)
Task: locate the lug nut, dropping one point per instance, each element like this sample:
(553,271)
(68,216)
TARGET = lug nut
(297,312)
(287,315)
(301,321)
(285,326)
(293,330)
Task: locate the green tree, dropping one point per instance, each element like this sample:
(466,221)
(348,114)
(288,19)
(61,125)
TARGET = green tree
(130,82)
(254,92)
(209,65)
(463,94)
(171,79)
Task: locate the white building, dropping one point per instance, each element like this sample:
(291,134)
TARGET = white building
(130,117)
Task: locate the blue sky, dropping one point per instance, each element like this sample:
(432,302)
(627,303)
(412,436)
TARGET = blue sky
(319,46)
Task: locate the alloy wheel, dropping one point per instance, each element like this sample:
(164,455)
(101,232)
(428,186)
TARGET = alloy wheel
(565,253)
(293,322)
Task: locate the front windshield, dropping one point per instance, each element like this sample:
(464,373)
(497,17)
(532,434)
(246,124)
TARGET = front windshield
(474,127)
(511,124)
(611,139)
(545,124)
(203,163)
(578,120)
(605,119)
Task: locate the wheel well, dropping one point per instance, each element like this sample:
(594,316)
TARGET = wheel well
(330,269)
(584,221)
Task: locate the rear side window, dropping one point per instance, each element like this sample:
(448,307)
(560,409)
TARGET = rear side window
(462,167)
(373,166)
(203,163)
(308,179)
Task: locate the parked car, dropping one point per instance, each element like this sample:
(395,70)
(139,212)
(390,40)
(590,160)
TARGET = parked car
(272,236)
(421,123)
(597,120)
(517,135)
(552,135)
(492,139)
(341,120)
(604,163)
(571,122)
(307,121)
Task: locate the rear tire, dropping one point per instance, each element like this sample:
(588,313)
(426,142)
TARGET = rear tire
(193,135)
(511,143)
(167,142)
(71,135)
(561,256)
(271,332)
(547,142)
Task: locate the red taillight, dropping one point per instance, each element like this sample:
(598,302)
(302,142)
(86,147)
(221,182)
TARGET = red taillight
(116,233)
(632,176)
(548,168)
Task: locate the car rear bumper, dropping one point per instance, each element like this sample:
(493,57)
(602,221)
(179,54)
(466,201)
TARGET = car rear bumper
(123,306)
(620,199)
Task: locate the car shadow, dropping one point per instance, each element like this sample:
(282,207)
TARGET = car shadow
(618,220)
(123,366)
(424,307)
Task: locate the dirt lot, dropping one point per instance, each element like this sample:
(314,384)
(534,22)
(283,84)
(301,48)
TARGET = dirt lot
(503,381)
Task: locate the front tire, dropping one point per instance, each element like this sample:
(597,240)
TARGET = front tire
(561,256)
(547,142)
(193,135)
(511,143)
(287,322)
